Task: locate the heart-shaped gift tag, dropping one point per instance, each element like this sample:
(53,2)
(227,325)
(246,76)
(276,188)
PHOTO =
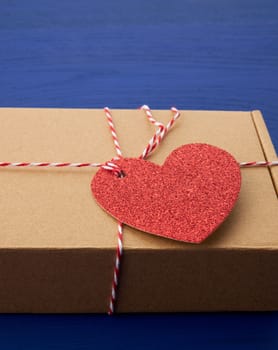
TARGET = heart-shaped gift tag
(185,199)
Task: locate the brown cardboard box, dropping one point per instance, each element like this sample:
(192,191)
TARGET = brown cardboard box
(57,246)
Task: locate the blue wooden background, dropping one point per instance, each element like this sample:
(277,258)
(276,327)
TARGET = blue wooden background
(194,54)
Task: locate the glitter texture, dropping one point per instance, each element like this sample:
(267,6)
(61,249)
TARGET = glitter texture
(185,199)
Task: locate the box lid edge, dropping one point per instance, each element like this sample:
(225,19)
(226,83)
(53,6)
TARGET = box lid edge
(267,145)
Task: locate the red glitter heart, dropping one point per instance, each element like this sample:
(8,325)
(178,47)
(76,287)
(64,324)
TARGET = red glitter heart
(185,199)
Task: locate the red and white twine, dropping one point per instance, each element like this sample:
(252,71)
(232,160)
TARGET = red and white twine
(116,270)
(107,166)
(258,164)
(112,167)
(153,143)
(119,250)
(161,131)
(113,131)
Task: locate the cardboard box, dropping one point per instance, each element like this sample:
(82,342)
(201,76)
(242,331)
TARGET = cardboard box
(57,246)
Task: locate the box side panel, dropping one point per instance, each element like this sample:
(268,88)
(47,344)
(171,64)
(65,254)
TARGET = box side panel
(267,145)
(55,281)
(203,280)
(41,281)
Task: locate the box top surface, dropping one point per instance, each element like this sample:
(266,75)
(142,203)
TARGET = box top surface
(54,208)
